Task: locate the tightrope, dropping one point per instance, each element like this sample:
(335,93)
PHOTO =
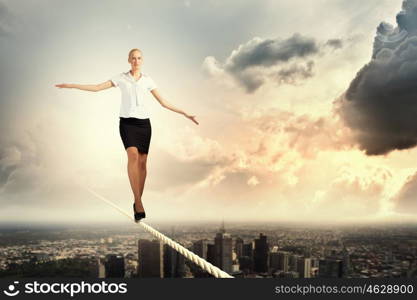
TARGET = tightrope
(205,265)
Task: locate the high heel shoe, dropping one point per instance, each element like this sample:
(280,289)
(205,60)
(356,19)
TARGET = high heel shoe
(138,215)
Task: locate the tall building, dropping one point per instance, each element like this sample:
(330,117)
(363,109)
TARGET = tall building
(304,267)
(260,254)
(274,259)
(293,262)
(330,268)
(283,261)
(248,250)
(346,263)
(239,247)
(150,258)
(114,266)
(223,250)
(101,269)
(174,263)
(200,248)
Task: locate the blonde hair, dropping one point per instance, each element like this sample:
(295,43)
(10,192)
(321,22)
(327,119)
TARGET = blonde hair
(131,52)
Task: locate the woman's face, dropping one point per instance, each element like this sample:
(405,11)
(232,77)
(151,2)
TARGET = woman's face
(135,59)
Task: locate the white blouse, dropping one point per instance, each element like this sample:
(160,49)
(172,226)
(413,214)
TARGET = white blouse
(134,101)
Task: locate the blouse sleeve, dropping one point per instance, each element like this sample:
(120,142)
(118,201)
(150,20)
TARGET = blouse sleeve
(116,79)
(151,84)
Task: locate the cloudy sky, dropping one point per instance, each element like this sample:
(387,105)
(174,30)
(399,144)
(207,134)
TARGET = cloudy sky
(307,110)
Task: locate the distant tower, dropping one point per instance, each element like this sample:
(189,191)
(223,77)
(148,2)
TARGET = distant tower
(174,263)
(239,247)
(222,228)
(283,261)
(304,267)
(101,269)
(223,250)
(200,248)
(293,262)
(274,259)
(114,266)
(330,268)
(150,258)
(412,269)
(260,254)
(346,262)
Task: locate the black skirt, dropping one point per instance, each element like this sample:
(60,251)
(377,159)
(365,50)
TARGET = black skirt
(136,132)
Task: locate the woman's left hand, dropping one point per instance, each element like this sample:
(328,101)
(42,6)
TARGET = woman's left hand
(192,118)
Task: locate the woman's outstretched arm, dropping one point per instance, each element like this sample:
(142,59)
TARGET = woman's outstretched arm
(87,87)
(165,104)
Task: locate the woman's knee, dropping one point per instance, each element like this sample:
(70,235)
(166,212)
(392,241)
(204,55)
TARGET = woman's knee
(142,161)
(132,154)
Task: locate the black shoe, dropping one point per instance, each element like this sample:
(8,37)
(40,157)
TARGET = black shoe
(138,215)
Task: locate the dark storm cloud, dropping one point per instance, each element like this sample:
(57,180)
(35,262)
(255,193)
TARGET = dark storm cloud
(406,198)
(259,53)
(283,60)
(380,105)
(269,52)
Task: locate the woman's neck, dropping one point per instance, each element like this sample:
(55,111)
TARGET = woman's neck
(135,72)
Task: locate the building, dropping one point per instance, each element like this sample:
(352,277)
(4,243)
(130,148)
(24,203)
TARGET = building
(346,263)
(330,268)
(174,263)
(304,267)
(101,269)
(274,260)
(97,268)
(279,261)
(293,262)
(150,258)
(223,250)
(260,254)
(114,266)
(248,250)
(239,247)
(200,248)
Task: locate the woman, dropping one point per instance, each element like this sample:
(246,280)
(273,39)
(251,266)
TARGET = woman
(134,124)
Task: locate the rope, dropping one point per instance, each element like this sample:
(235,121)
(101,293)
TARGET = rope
(213,270)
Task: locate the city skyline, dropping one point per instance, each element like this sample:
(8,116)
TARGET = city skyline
(246,252)
(278,88)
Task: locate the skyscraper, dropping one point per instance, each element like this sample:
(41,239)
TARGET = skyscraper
(174,263)
(114,266)
(304,267)
(248,250)
(101,269)
(200,248)
(260,254)
(274,260)
(346,262)
(223,250)
(330,268)
(210,253)
(293,262)
(239,247)
(150,258)
(283,260)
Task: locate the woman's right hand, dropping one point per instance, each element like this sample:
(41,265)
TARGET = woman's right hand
(64,85)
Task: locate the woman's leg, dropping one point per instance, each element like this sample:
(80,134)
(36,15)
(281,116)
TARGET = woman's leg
(134,170)
(142,175)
